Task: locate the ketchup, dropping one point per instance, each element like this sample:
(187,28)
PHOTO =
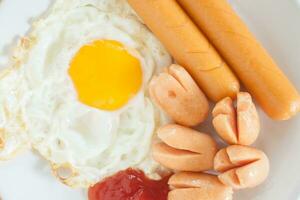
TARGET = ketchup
(130,185)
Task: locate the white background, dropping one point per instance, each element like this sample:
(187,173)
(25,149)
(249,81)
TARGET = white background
(276,23)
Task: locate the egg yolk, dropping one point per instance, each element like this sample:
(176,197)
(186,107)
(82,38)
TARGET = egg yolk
(105,75)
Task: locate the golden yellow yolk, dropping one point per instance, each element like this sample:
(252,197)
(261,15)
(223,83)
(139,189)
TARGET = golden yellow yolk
(105,75)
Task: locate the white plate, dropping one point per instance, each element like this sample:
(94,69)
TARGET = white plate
(276,23)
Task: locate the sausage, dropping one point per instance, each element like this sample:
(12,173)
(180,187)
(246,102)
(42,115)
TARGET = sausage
(184,149)
(241,166)
(175,92)
(191,185)
(238,125)
(246,56)
(188,46)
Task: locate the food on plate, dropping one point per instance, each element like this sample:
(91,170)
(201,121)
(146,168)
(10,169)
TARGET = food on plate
(246,56)
(188,46)
(13,137)
(238,125)
(184,149)
(79,91)
(79,94)
(178,95)
(191,185)
(118,75)
(130,185)
(176,136)
(241,166)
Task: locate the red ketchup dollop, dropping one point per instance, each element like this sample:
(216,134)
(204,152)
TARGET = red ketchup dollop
(130,185)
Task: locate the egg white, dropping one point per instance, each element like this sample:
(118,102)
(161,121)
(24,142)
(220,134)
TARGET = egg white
(83,144)
(13,137)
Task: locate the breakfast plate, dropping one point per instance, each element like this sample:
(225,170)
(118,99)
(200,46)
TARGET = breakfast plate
(29,176)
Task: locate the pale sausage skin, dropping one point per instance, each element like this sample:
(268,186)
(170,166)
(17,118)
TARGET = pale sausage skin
(241,166)
(196,186)
(184,149)
(175,92)
(238,125)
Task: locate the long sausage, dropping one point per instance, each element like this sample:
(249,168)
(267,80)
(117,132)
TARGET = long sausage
(188,46)
(246,56)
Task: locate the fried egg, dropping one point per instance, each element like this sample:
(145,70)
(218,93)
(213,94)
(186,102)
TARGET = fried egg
(81,100)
